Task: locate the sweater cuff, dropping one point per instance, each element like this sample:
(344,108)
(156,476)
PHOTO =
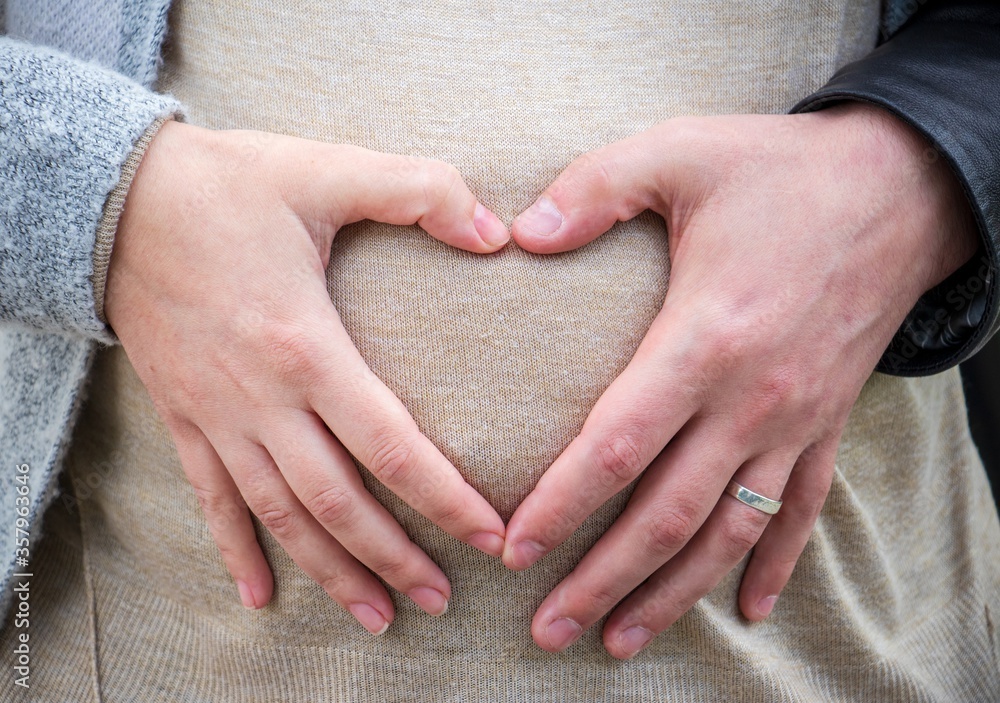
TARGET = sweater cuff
(66,129)
(108,226)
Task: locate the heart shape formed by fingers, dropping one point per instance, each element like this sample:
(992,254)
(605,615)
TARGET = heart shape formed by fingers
(499,357)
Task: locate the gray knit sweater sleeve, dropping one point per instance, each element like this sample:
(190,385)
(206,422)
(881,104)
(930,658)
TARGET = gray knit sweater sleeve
(67,128)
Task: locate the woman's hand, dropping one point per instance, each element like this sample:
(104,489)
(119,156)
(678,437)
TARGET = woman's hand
(217,292)
(798,245)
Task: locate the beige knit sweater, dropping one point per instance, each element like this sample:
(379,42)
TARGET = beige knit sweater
(499,359)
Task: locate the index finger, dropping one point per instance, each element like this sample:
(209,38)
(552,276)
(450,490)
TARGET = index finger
(629,426)
(375,427)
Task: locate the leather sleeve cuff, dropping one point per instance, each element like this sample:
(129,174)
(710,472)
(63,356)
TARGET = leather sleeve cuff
(941,75)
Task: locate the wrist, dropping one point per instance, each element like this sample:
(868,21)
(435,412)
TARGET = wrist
(935,229)
(107,229)
(146,215)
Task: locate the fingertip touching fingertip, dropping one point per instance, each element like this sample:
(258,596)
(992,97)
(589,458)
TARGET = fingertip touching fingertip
(491,230)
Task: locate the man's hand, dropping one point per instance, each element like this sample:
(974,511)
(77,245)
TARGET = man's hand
(798,245)
(217,292)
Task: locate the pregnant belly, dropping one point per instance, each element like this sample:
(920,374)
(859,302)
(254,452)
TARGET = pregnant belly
(499,358)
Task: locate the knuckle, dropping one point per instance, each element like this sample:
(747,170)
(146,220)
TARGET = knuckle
(449,512)
(561,519)
(728,339)
(737,537)
(278,519)
(332,506)
(405,169)
(602,597)
(393,568)
(659,604)
(334,583)
(669,528)
(219,508)
(183,431)
(439,180)
(592,169)
(620,455)
(803,512)
(188,392)
(230,553)
(723,343)
(391,457)
(783,562)
(288,350)
(777,388)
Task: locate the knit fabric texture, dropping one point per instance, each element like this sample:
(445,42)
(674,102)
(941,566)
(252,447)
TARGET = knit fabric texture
(122,35)
(499,359)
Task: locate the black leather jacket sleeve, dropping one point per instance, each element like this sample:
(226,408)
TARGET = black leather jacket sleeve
(941,74)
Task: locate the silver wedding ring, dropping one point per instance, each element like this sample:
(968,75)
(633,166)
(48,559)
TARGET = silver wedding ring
(754,500)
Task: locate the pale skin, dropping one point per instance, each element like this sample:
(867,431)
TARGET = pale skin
(217,292)
(798,244)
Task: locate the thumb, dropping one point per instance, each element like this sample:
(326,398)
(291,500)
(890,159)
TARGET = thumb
(602,187)
(360,184)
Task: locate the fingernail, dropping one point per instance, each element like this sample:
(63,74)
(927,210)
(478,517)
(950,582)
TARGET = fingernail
(488,542)
(246,595)
(633,639)
(562,633)
(766,605)
(430,599)
(491,230)
(369,618)
(525,553)
(543,218)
